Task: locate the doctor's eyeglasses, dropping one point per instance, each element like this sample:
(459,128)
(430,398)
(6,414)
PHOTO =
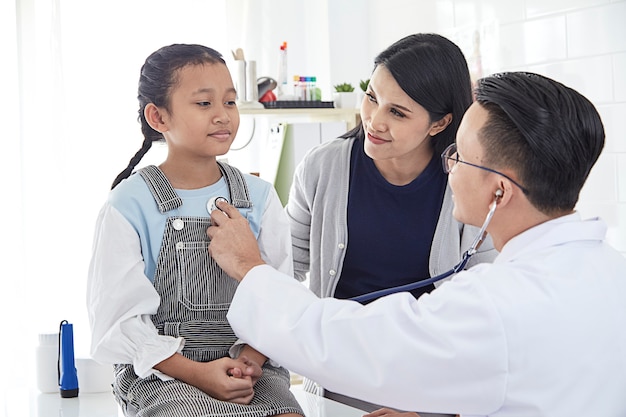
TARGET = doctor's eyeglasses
(450,158)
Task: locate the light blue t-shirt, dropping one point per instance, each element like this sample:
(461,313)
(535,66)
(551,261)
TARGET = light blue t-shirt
(133,199)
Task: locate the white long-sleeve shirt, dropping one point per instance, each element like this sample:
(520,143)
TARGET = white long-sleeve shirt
(540,332)
(129,230)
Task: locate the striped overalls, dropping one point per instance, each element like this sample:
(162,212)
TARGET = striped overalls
(195,295)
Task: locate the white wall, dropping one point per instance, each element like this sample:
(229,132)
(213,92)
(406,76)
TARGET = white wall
(581,43)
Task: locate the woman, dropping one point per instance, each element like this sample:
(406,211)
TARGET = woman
(417,94)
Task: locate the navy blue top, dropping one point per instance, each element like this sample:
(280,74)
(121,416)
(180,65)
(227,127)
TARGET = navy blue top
(390,227)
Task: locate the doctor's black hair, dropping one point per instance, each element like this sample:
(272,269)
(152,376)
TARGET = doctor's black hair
(547,133)
(157,78)
(433,71)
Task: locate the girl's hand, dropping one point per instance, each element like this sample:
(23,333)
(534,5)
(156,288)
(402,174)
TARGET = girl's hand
(211,377)
(388,412)
(214,379)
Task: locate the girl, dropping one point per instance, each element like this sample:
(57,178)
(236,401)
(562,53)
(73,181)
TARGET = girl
(157,301)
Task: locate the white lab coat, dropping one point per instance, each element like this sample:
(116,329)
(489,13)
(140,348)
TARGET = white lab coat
(540,332)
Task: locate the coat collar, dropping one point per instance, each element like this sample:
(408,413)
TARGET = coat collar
(565,229)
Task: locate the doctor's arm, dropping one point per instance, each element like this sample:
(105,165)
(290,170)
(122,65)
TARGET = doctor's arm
(452,337)
(388,412)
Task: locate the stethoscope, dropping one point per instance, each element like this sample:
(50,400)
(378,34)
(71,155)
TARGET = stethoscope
(478,240)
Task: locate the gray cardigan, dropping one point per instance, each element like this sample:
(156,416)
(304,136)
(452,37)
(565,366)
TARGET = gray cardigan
(317,208)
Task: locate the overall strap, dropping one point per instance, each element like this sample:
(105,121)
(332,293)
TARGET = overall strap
(237,186)
(163,192)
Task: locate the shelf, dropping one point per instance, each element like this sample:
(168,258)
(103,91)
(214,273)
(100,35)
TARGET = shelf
(352,117)
(302,111)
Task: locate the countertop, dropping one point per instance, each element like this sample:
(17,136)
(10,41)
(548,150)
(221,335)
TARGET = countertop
(103,405)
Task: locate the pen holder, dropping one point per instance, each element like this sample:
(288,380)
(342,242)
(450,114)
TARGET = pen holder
(246,84)
(239,78)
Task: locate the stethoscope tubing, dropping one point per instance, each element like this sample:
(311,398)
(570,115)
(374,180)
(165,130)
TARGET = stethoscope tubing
(414,285)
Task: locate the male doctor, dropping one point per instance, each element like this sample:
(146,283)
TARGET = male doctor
(540,332)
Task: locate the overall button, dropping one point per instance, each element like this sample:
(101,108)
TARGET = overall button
(180,246)
(332,272)
(178,224)
(341,246)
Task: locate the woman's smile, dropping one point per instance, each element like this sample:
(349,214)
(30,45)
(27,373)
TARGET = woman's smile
(376,140)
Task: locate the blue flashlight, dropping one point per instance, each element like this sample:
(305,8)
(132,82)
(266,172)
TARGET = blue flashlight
(68,378)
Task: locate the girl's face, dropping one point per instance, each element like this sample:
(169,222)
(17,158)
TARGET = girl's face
(203,117)
(396,127)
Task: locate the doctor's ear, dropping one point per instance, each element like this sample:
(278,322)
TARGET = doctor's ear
(504,192)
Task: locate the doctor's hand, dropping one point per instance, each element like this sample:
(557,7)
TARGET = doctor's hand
(388,412)
(233,246)
(249,368)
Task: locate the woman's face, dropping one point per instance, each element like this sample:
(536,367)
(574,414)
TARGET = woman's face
(204,119)
(396,127)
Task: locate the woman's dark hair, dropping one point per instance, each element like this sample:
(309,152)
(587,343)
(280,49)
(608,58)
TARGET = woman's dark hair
(548,134)
(158,77)
(433,71)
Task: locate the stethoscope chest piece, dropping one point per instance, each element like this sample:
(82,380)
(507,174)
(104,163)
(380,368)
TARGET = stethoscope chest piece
(210,205)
